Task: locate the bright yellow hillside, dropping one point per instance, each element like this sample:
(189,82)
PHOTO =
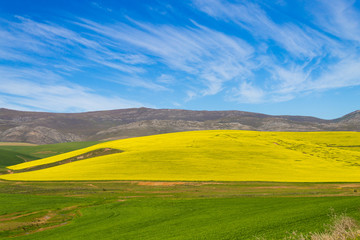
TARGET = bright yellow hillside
(221,155)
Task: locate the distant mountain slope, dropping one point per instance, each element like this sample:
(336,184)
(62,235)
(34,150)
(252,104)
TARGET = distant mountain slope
(43,127)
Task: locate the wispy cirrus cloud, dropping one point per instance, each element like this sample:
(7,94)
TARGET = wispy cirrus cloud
(207,55)
(339,18)
(299,40)
(309,59)
(30,41)
(245,50)
(49,55)
(52,93)
(247,93)
(135,82)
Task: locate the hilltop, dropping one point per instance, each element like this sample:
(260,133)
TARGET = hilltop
(45,127)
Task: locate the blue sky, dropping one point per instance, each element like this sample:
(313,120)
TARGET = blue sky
(274,57)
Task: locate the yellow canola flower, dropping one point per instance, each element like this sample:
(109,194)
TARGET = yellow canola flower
(214,155)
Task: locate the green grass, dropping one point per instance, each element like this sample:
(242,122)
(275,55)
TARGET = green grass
(21,213)
(10,155)
(233,218)
(26,203)
(194,210)
(47,150)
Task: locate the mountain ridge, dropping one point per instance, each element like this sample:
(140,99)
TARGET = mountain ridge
(47,127)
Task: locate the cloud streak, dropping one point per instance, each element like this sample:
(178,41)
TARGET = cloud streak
(339,18)
(301,41)
(245,52)
(30,41)
(308,58)
(52,93)
(209,56)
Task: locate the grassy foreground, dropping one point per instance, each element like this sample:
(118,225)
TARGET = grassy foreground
(171,210)
(223,155)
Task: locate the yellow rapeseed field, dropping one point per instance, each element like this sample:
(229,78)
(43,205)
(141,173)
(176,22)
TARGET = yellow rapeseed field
(216,155)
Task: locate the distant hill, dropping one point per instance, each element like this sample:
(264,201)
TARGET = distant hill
(45,128)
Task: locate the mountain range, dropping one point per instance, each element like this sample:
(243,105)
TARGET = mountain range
(47,128)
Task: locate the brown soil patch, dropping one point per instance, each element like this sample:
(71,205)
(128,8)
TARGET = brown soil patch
(160,183)
(70,208)
(46,228)
(16,144)
(150,183)
(209,183)
(133,196)
(350,185)
(321,195)
(44,220)
(11,216)
(275,187)
(74,195)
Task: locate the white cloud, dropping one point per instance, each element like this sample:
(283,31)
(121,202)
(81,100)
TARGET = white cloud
(190,95)
(293,58)
(311,59)
(301,41)
(136,82)
(296,79)
(345,73)
(166,78)
(199,51)
(289,79)
(248,93)
(339,18)
(21,92)
(31,42)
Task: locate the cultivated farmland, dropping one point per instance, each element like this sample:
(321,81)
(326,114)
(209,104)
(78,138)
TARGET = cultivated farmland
(171,210)
(217,155)
(221,184)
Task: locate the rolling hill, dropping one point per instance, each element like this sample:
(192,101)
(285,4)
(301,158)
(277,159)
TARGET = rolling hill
(47,128)
(217,155)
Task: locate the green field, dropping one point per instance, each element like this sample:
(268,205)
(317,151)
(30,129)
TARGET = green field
(193,185)
(8,157)
(221,155)
(47,150)
(12,153)
(171,210)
